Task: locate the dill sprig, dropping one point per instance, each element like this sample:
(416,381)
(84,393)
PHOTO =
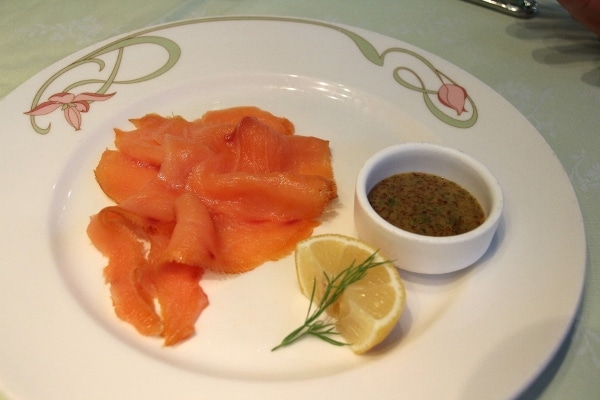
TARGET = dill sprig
(324,329)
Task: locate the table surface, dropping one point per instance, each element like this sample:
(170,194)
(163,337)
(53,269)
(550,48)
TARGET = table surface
(548,67)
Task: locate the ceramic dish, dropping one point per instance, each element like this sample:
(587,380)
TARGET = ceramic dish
(474,334)
(422,253)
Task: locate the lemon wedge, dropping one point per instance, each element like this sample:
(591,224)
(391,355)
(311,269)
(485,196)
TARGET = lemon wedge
(369,308)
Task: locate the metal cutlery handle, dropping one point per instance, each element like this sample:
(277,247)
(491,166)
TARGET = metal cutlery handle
(516,8)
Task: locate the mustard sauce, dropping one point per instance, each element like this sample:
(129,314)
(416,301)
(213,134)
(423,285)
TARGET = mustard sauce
(426,204)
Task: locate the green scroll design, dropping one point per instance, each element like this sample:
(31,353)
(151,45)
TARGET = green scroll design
(371,54)
(365,47)
(173,50)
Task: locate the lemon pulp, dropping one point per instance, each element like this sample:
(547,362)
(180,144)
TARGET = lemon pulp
(368,309)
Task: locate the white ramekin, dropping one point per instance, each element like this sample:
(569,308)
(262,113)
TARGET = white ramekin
(420,253)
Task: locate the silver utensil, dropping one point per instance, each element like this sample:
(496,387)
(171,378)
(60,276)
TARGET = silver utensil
(516,8)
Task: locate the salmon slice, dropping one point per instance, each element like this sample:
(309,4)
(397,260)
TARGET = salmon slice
(181,155)
(145,144)
(232,116)
(181,300)
(277,196)
(194,239)
(256,180)
(156,200)
(309,156)
(215,137)
(261,149)
(120,176)
(244,245)
(112,234)
(135,281)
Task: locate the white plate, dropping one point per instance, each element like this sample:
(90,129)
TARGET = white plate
(485,332)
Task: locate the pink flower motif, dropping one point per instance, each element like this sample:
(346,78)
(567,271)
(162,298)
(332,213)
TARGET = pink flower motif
(71,105)
(453,96)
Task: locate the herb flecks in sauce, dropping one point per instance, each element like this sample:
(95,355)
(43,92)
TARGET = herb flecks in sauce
(426,204)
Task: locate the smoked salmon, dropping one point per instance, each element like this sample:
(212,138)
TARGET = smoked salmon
(226,192)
